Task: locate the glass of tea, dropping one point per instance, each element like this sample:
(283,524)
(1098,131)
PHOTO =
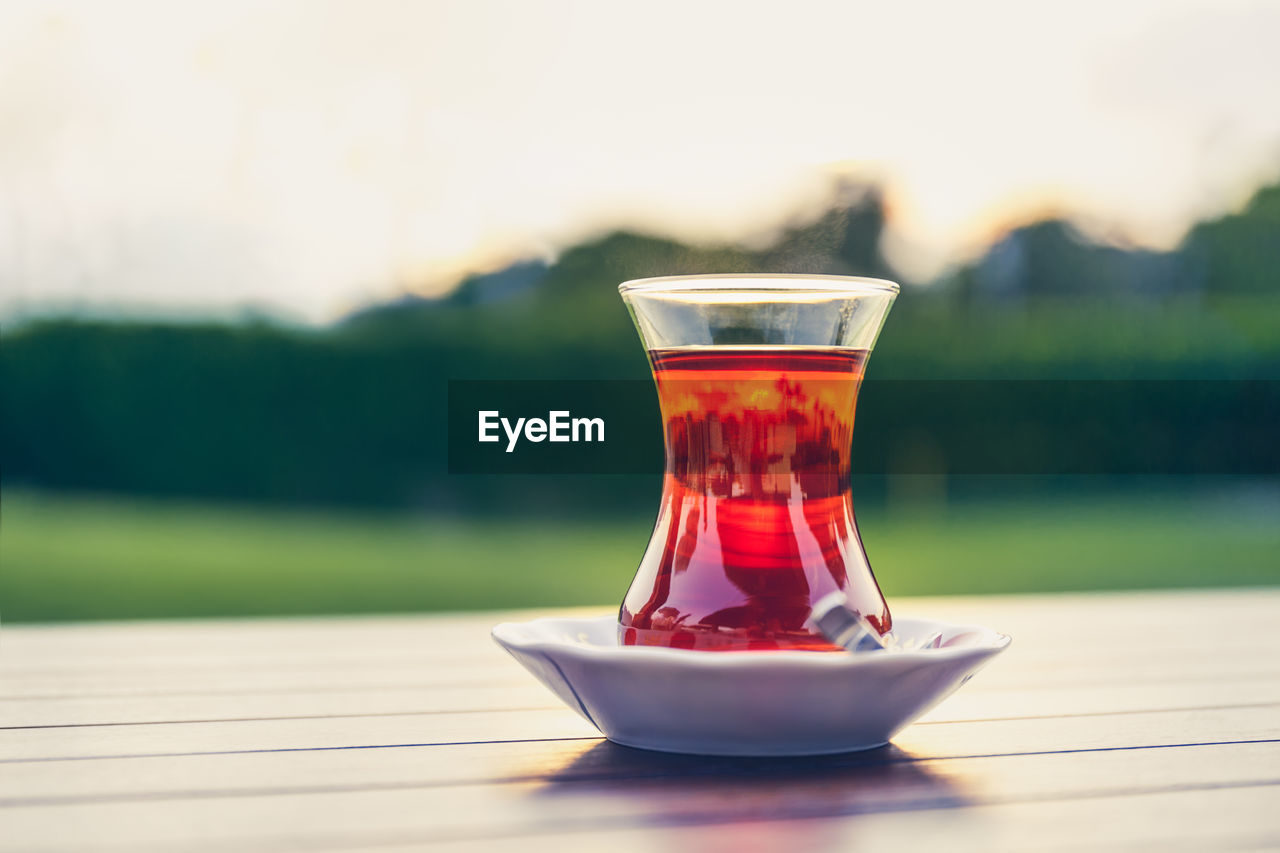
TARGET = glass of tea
(758,379)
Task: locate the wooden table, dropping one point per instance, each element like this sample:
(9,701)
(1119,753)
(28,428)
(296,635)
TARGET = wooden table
(1145,720)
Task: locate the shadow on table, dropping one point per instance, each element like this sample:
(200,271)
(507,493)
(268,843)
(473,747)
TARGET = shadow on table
(687,790)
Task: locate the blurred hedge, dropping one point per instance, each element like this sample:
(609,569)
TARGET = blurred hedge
(352,414)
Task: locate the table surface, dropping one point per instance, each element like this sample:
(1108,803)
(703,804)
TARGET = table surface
(1122,720)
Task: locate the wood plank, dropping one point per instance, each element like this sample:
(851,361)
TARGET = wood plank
(1030,662)
(1002,676)
(496,672)
(527,693)
(520,809)
(1207,820)
(331,732)
(477,649)
(287,637)
(977,700)
(340,684)
(588,761)
(980,737)
(1125,619)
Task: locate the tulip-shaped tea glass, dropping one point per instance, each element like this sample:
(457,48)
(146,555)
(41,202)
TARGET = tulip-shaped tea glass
(757,377)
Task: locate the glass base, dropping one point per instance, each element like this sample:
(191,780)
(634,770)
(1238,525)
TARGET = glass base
(724,641)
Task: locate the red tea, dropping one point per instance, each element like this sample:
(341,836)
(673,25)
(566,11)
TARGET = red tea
(756,522)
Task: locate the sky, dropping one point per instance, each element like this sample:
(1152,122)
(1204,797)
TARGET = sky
(304,158)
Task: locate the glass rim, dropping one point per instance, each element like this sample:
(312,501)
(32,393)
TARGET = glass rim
(761,282)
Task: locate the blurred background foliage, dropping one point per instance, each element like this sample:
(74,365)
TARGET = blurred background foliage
(141,460)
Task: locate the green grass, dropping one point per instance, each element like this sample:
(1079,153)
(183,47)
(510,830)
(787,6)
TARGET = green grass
(92,558)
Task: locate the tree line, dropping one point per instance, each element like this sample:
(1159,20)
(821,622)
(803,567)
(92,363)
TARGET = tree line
(352,414)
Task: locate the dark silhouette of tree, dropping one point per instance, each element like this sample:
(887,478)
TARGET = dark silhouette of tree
(1240,252)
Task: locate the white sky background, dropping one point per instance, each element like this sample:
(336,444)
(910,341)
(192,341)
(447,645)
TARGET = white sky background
(310,156)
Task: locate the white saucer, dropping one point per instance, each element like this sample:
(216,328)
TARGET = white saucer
(747,703)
